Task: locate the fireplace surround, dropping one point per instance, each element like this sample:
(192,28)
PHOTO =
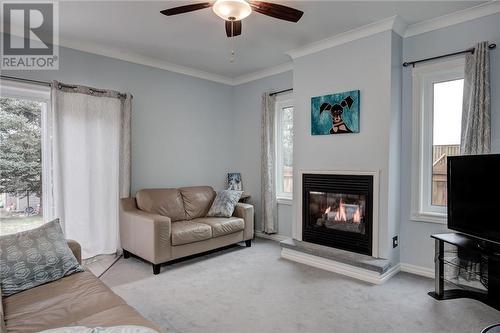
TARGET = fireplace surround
(337,211)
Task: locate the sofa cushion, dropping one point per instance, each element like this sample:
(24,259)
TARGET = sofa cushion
(224,203)
(222,225)
(197,200)
(34,257)
(79,299)
(185,232)
(167,202)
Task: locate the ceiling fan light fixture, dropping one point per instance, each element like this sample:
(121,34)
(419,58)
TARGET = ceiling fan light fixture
(232,10)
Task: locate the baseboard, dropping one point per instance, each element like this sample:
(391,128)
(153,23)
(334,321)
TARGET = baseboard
(417,270)
(274,237)
(340,268)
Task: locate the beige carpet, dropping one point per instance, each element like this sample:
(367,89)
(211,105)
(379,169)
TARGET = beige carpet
(254,290)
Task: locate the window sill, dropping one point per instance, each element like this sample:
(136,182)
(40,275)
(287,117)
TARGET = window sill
(429,217)
(284,201)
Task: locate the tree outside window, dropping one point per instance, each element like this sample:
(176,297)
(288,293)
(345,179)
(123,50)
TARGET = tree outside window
(20,164)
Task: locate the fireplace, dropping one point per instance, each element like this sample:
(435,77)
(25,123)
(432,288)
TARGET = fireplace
(337,211)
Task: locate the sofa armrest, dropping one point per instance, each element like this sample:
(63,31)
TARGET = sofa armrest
(246,212)
(76,248)
(144,234)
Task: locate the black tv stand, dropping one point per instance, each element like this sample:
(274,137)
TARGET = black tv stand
(488,247)
(473,246)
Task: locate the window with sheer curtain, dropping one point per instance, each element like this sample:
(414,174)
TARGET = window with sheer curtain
(437,121)
(284,148)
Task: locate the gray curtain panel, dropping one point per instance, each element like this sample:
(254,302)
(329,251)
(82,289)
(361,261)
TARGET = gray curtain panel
(125,145)
(476,124)
(268,181)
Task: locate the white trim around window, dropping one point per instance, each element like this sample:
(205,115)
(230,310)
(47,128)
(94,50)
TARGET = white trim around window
(283,101)
(424,77)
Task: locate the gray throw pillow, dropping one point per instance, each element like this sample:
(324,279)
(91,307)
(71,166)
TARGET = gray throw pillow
(35,257)
(224,203)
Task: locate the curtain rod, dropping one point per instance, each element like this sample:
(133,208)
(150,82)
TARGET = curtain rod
(13,78)
(43,83)
(471,50)
(280,92)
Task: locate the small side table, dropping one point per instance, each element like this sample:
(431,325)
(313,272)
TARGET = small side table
(245,197)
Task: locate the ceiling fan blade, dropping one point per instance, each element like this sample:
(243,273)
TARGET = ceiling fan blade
(233,31)
(186,9)
(277,11)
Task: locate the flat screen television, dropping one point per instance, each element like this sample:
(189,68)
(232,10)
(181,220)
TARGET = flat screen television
(474,195)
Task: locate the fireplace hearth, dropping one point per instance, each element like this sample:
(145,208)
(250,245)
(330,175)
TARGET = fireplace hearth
(337,211)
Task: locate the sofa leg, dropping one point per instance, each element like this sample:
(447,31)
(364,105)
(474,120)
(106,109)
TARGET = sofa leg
(126,254)
(156,269)
(248,242)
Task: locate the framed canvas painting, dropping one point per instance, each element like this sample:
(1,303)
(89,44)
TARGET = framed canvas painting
(335,113)
(234,181)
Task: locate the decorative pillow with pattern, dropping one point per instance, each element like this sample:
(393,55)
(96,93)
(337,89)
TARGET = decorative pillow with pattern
(224,203)
(34,257)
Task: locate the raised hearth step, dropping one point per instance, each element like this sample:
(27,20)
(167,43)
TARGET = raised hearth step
(349,258)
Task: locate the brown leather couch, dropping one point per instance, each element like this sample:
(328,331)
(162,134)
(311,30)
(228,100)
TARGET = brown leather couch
(80,299)
(160,225)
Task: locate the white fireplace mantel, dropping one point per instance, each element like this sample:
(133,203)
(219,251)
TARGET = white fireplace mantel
(297,225)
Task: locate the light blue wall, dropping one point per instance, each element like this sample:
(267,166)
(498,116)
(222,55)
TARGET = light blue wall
(185,130)
(182,127)
(416,245)
(246,157)
(395,134)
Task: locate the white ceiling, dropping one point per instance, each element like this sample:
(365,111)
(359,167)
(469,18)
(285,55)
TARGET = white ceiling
(197,39)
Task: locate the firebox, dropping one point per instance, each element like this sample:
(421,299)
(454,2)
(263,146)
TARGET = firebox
(337,211)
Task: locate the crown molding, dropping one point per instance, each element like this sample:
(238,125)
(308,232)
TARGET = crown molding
(110,52)
(399,26)
(168,66)
(146,61)
(468,14)
(392,23)
(263,73)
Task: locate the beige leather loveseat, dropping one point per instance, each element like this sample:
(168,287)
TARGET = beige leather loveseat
(160,225)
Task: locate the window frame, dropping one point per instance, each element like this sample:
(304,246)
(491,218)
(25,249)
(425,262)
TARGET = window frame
(423,79)
(38,93)
(283,101)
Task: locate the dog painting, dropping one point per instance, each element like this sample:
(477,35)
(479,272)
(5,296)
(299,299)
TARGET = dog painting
(335,114)
(234,181)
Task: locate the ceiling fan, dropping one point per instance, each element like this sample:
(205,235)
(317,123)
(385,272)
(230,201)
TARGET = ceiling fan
(233,11)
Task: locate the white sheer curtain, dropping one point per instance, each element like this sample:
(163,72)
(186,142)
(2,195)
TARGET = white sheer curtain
(91,164)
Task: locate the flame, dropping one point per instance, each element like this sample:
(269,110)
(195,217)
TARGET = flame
(341,215)
(356,218)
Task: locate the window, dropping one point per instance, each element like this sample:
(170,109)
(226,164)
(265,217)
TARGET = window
(437,118)
(284,148)
(23,194)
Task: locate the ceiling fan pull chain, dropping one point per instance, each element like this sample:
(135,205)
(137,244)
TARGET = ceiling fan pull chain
(231,40)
